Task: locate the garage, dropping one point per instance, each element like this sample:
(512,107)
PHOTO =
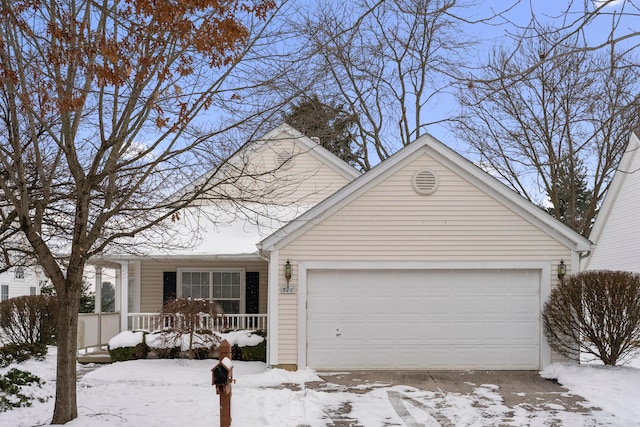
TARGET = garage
(423,319)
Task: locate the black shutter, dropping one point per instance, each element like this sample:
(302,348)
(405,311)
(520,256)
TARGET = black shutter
(168,286)
(252,295)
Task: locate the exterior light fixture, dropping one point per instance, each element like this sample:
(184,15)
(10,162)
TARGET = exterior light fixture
(562,270)
(287,271)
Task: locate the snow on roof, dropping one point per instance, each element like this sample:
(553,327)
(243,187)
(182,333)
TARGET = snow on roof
(223,230)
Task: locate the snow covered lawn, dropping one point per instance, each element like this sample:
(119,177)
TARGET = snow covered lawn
(179,393)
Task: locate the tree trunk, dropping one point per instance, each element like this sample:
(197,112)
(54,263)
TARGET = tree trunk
(66,407)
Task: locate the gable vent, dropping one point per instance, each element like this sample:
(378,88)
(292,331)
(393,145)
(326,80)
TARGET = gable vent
(284,160)
(425,182)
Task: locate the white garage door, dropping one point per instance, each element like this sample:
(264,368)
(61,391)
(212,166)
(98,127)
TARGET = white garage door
(423,319)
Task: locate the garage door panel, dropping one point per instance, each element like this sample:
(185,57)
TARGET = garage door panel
(435,319)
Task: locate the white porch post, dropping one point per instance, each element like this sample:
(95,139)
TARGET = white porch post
(122,289)
(272,308)
(98,293)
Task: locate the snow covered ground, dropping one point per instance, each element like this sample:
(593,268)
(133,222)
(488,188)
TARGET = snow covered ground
(179,393)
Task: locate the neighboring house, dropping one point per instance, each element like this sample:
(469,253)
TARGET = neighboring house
(19,281)
(424,262)
(616,231)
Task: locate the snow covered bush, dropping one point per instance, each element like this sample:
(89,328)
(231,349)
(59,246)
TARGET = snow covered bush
(172,344)
(190,318)
(12,394)
(128,345)
(248,345)
(597,313)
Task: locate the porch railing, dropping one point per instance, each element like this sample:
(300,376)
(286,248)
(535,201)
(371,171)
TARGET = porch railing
(159,321)
(96,329)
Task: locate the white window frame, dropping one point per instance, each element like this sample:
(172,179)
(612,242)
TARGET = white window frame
(19,272)
(33,290)
(242,272)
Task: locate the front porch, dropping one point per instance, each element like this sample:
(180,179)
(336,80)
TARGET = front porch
(96,329)
(223,322)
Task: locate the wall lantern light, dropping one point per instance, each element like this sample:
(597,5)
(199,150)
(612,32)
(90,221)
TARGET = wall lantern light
(287,271)
(562,270)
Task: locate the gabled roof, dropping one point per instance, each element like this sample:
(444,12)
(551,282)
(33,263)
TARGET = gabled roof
(309,146)
(451,159)
(315,149)
(234,229)
(630,162)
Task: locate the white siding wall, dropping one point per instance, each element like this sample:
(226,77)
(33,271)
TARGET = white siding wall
(391,222)
(20,287)
(618,247)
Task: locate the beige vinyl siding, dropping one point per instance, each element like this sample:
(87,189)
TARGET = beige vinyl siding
(151,278)
(391,222)
(458,222)
(308,181)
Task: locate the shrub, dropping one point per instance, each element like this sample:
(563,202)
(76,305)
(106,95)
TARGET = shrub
(16,353)
(172,344)
(595,312)
(128,345)
(188,320)
(122,354)
(29,319)
(248,353)
(11,395)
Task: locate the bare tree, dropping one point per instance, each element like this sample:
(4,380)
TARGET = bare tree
(98,105)
(386,62)
(540,125)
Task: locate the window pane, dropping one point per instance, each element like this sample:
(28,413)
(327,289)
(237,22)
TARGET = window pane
(204,291)
(217,278)
(230,306)
(186,291)
(186,279)
(235,291)
(226,291)
(235,278)
(217,291)
(226,278)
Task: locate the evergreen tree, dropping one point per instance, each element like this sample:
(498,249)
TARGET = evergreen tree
(331,123)
(572,198)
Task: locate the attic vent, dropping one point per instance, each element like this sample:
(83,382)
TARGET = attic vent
(425,182)
(284,160)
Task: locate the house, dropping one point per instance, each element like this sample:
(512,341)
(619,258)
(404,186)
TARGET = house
(423,262)
(222,261)
(616,231)
(21,280)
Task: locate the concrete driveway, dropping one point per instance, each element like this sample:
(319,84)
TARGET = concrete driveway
(453,398)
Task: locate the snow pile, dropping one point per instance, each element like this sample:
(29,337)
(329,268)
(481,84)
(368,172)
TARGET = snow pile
(242,338)
(126,339)
(613,388)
